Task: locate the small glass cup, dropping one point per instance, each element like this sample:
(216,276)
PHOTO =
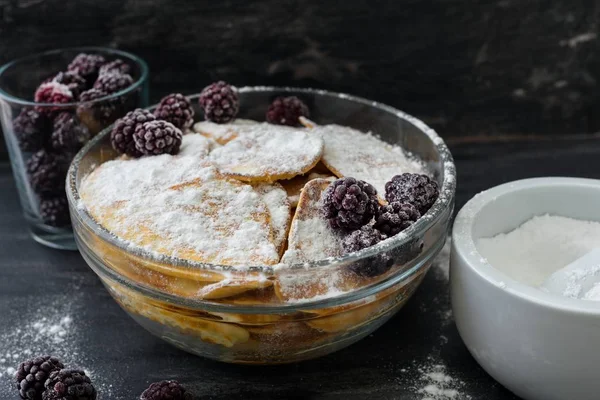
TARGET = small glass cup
(39,154)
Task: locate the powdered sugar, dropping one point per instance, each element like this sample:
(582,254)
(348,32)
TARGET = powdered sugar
(349,152)
(221,133)
(593,293)
(539,247)
(275,198)
(269,152)
(310,236)
(181,206)
(437,384)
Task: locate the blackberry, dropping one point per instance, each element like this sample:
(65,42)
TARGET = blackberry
(47,172)
(113,82)
(176,109)
(69,384)
(52,92)
(96,115)
(418,190)
(73,81)
(87,66)
(287,111)
(69,135)
(396,217)
(362,238)
(31,129)
(157,137)
(349,203)
(117,65)
(55,211)
(166,390)
(220,102)
(121,135)
(32,374)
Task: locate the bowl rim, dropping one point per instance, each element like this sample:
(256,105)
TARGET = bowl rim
(93,49)
(440,208)
(464,245)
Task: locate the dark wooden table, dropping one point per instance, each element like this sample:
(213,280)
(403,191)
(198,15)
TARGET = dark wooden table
(36,282)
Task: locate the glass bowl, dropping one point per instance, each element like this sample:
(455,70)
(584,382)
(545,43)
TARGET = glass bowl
(243,316)
(43,200)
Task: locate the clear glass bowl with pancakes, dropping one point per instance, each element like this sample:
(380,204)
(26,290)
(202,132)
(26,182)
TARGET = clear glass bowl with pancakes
(280,313)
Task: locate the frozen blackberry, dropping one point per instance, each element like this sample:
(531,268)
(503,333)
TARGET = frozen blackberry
(362,238)
(32,374)
(31,129)
(95,114)
(69,384)
(52,92)
(157,137)
(418,190)
(287,111)
(113,82)
(68,135)
(73,81)
(55,211)
(176,109)
(166,390)
(396,217)
(121,135)
(220,102)
(87,66)
(349,203)
(117,65)
(47,172)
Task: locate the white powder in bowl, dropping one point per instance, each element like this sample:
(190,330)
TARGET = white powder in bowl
(539,247)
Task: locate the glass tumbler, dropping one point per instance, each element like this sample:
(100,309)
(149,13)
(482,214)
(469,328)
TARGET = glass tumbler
(43,137)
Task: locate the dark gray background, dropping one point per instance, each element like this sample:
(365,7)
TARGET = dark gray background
(468,68)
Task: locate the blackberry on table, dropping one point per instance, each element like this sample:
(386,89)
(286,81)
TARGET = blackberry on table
(166,390)
(287,111)
(396,217)
(87,66)
(360,239)
(73,81)
(68,135)
(220,102)
(176,109)
(113,82)
(117,65)
(157,137)
(55,211)
(47,172)
(31,129)
(69,384)
(419,190)
(349,203)
(121,136)
(31,376)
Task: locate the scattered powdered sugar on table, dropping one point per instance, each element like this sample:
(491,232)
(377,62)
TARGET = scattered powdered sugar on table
(48,331)
(539,247)
(349,152)
(436,384)
(53,327)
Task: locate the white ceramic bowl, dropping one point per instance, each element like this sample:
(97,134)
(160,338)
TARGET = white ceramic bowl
(539,346)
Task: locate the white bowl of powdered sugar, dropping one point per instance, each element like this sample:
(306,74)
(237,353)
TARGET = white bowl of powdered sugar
(507,244)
